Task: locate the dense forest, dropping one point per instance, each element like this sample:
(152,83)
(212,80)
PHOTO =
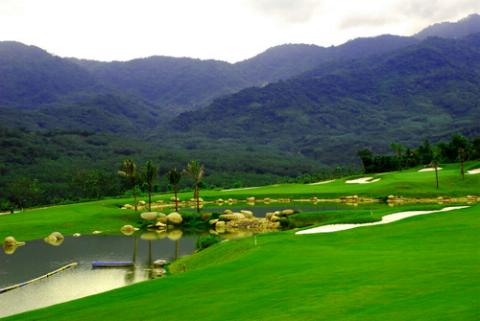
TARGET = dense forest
(62,167)
(295,112)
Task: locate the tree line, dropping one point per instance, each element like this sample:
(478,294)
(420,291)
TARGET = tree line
(457,149)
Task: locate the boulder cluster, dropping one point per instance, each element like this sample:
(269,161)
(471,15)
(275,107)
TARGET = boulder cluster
(233,222)
(161,221)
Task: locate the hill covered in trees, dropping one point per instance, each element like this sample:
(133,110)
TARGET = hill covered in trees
(66,124)
(427,90)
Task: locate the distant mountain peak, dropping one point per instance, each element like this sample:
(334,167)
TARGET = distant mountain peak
(454,30)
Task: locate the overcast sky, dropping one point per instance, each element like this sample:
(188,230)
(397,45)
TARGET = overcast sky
(229,30)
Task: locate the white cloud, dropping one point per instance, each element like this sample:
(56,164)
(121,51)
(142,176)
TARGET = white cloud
(228,30)
(297,11)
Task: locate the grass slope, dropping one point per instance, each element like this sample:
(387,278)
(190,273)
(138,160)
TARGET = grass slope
(422,268)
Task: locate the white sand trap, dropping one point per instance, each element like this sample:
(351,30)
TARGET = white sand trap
(474,171)
(429,169)
(238,189)
(323,182)
(385,220)
(363,180)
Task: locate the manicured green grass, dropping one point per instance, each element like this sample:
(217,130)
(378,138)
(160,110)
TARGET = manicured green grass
(106,215)
(356,215)
(421,268)
(409,183)
(68,219)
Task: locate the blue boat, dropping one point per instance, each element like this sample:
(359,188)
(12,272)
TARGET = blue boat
(107,264)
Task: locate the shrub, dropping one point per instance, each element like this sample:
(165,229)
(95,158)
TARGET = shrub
(206,241)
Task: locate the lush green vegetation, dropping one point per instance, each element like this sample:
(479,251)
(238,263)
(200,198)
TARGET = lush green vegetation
(107,216)
(458,148)
(424,91)
(417,269)
(71,166)
(67,125)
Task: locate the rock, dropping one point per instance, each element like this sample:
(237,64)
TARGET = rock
(128,230)
(55,239)
(128,207)
(228,212)
(77,235)
(173,199)
(251,199)
(274,218)
(220,226)
(162,218)
(142,203)
(149,216)
(288,212)
(232,217)
(160,225)
(247,214)
(97,232)
(213,222)
(160,263)
(10,245)
(10,241)
(174,218)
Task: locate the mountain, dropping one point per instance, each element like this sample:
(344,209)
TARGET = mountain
(31,76)
(286,61)
(453,30)
(427,90)
(175,84)
(135,96)
(180,84)
(42,91)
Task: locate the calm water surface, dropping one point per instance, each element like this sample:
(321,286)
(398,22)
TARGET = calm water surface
(37,258)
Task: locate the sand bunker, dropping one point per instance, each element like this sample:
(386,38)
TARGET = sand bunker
(385,220)
(474,171)
(363,180)
(429,169)
(323,182)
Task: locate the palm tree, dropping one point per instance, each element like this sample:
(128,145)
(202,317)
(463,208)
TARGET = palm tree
(129,170)
(174,177)
(435,164)
(196,171)
(149,174)
(462,155)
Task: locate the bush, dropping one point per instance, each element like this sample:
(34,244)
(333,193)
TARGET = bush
(206,241)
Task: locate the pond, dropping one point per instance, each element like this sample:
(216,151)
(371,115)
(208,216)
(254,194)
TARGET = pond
(38,258)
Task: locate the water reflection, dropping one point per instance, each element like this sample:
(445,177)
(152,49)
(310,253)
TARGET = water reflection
(38,258)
